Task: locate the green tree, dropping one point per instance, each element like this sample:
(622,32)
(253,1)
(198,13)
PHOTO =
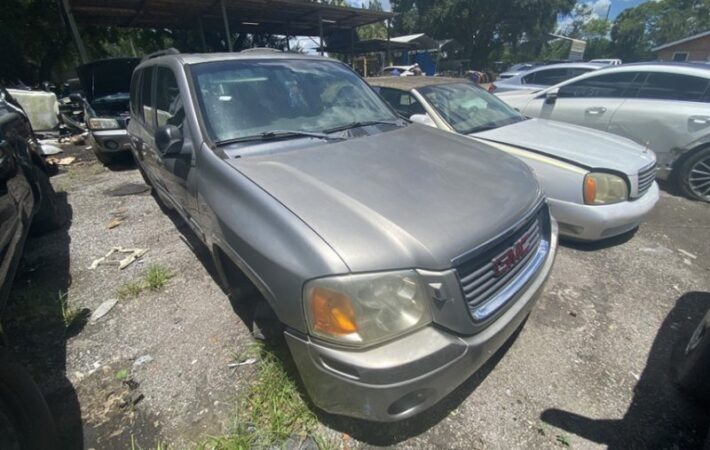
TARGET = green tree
(375,30)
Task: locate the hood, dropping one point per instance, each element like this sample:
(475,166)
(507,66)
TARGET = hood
(412,197)
(585,147)
(106,77)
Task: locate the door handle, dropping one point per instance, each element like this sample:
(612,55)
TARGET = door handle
(595,111)
(699,120)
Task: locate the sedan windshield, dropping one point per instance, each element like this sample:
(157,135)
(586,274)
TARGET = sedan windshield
(469,109)
(240,99)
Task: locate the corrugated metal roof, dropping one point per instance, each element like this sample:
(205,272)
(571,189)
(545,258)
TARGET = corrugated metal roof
(682,41)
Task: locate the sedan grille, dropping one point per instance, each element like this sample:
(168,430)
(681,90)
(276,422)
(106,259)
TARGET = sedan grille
(482,277)
(645,178)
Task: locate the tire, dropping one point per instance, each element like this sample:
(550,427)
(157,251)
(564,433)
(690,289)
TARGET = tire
(25,420)
(694,365)
(693,179)
(47,217)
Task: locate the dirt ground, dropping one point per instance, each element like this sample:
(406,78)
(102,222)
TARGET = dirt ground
(590,369)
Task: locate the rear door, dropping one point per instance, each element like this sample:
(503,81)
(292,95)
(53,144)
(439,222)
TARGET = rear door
(665,111)
(590,102)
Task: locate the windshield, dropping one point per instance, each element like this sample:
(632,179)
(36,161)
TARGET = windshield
(469,109)
(247,98)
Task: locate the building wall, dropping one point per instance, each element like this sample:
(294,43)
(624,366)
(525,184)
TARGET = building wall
(698,50)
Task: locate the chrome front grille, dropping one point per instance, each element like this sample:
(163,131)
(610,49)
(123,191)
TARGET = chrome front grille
(646,178)
(487,274)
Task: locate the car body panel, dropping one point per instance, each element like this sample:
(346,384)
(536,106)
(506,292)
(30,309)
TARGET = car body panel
(521,80)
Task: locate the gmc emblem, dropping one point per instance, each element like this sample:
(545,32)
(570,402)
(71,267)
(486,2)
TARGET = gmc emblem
(505,262)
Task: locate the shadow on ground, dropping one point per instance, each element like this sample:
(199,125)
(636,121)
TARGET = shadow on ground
(659,415)
(39,322)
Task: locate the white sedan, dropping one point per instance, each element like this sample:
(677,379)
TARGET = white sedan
(598,185)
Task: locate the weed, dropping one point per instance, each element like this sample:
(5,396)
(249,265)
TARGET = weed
(158,446)
(156,277)
(122,374)
(130,290)
(562,439)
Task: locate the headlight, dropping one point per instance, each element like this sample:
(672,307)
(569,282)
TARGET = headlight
(99,123)
(604,188)
(368,308)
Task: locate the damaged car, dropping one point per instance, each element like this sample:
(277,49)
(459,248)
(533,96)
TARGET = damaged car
(106,84)
(395,258)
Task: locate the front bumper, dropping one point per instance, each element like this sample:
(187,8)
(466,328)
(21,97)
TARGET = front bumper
(404,377)
(109,141)
(596,222)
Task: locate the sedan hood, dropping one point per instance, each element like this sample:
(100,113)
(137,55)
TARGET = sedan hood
(412,197)
(585,147)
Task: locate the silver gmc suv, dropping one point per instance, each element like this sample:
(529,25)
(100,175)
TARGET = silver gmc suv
(396,257)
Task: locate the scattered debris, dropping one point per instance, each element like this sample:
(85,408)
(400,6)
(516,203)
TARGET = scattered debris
(128,189)
(658,249)
(114,223)
(78,139)
(117,218)
(145,359)
(103,309)
(573,314)
(686,253)
(67,160)
(49,149)
(133,255)
(246,362)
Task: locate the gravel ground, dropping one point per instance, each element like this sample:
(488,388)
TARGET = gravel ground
(590,369)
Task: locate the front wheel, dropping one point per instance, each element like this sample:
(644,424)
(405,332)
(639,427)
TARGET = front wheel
(693,368)
(694,177)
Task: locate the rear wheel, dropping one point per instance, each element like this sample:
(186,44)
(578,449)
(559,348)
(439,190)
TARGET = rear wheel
(25,420)
(694,366)
(694,177)
(47,217)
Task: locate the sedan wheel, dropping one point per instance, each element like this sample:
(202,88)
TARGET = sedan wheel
(695,176)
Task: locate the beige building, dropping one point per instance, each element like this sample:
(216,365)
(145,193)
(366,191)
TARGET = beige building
(693,48)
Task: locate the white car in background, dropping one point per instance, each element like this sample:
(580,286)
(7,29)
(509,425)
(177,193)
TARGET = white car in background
(664,106)
(598,185)
(544,76)
(610,62)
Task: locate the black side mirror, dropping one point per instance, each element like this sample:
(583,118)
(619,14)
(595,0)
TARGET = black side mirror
(551,96)
(168,139)
(76,97)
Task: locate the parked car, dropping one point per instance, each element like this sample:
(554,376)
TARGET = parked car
(402,71)
(598,185)
(105,84)
(609,61)
(27,201)
(544,76)
(665,106)
(517,69)
(358,228)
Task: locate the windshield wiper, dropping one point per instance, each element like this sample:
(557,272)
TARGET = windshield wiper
(279,134)
(361,124)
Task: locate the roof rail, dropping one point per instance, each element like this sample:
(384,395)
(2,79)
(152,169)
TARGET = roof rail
(167,51)
(261,50)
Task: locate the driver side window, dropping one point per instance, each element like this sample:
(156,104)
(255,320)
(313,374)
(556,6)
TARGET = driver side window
(402,102)
(168,104)
(612,85)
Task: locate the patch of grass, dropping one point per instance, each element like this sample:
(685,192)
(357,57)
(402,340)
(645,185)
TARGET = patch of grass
(156,277)
(158,446)
(34,303)
(122,374)
(130,290)
(562,439)
(272,410)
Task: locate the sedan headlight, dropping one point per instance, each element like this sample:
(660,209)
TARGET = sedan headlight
(367,308)
(604,188)
(100,123)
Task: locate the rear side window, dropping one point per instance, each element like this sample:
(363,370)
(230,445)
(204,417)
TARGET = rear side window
(146,96)
(611,85)
(672,86)
(168,104)
(547,77)
(402,102)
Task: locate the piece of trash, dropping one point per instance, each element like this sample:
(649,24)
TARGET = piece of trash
(103,309)
(638,378)
(145,359)
(133,255)
(78,139)
(688,254)
(114,223)
(128,189)
(194,361)
(48,149)
(687,262)
(246,362)
(62,161)
(659,249)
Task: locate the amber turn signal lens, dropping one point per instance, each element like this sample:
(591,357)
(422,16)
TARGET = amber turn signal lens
(332,312)
(590,190)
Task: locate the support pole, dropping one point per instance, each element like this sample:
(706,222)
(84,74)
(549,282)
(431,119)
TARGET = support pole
(75,32)
(288,43)
(352,48)
(320,33)
(389,46)
(226,26)
(201,31)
